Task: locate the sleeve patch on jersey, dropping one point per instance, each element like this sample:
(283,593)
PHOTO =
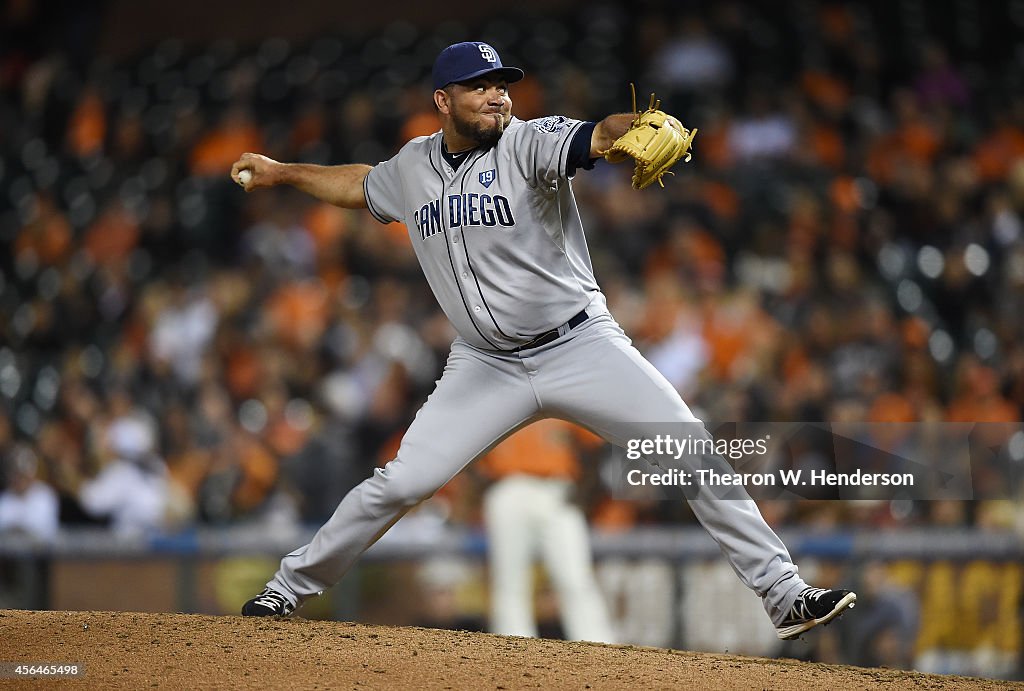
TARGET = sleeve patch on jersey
(551,124)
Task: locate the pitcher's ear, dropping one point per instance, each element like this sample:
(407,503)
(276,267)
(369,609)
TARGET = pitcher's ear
(442,101)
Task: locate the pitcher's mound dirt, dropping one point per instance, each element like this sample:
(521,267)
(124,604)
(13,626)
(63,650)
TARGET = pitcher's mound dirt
(180,651)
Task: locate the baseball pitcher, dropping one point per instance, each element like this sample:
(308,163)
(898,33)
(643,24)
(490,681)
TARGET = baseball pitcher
(489,206)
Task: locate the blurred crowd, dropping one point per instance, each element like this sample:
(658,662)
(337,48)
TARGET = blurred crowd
(847,244)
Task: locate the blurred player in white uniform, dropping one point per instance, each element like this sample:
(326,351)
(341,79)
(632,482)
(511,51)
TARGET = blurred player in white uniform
(530,512)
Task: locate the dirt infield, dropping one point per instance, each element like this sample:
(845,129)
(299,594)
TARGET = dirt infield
(179,651)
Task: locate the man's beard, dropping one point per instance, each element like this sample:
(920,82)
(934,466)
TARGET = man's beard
(485,137)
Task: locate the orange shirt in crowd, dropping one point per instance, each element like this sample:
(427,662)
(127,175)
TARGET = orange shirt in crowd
(298,312)
(987,409)
(714,146)
(87,128)
(215,153)
(259,472)
(328,225)
(48,237)
(243,370)
(113,236)
(721,200)
(979,399)
(891,407)
(528,97)
(826,91)
(998,152)
(421,124)
(735,328)
(915,140)
(547,448)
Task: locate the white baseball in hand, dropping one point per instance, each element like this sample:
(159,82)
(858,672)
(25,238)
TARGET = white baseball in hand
(244,176)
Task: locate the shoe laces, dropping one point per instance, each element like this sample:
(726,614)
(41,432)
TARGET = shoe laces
(272,600)
(813,593)
(800,607)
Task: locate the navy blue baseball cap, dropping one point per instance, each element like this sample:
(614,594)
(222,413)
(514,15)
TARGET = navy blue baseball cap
(464,61)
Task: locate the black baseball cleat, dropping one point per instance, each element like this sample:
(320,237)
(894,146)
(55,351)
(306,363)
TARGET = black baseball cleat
(269,603)
(812,607)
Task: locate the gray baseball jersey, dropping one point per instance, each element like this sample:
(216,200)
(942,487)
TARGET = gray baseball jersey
(500,239)
(502,246)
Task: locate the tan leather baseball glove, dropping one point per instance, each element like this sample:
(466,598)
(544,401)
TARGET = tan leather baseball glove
(655,140)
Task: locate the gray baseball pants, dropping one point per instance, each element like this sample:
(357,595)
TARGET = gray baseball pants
(592,376)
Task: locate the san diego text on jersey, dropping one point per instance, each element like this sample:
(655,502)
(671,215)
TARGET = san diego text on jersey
(469,209)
